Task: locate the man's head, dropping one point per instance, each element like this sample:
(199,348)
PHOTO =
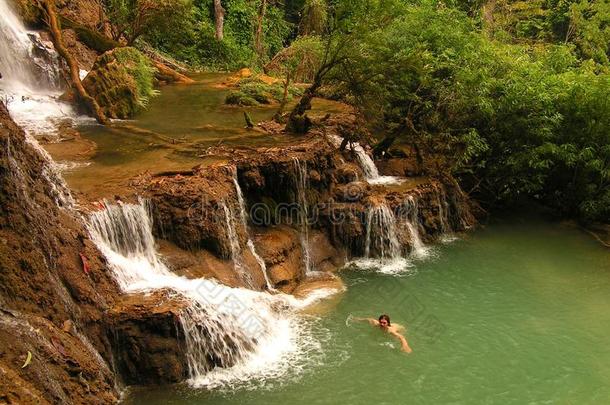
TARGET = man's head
(384,321)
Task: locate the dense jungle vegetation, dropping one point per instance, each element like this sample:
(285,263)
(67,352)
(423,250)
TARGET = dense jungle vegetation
(512,94)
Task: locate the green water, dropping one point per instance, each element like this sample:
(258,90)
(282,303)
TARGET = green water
(175,132)
(518,312)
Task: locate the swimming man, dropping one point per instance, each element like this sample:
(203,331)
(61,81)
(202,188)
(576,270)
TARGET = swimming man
(385,324)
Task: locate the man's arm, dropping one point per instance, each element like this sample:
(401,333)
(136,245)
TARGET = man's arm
(372,321)
(404,345)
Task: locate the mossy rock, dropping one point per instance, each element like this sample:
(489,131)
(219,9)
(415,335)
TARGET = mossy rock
(262,92)
(121,81)
(29,12)
(240,98)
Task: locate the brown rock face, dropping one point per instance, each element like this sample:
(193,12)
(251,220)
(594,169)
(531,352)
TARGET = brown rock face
(84,55)
(43,283)
(188,209)
(148,339)
(280,248)
(89,13)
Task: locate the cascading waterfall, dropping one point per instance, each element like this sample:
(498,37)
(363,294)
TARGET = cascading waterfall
(410,219)
(123,233)
(366,163)
(382,249)
(29,84)
(29,88)
(244,221)
(22,71)
(443,216)
(381,233)
(302,184)
(236,252)
(232,335)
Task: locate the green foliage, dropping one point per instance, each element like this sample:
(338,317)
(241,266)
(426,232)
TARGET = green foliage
(314,18)
(139,68)
(510,95)
(240,98)
(193,40)
(133,18)
(511,120)
(298,62)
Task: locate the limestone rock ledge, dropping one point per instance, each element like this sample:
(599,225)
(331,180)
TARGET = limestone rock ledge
(147,338)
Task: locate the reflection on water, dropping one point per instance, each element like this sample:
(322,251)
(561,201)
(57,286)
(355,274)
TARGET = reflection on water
(516,313)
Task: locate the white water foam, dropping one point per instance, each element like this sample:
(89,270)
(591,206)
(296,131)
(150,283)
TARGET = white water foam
(368,165)
(29,84)
(233,336)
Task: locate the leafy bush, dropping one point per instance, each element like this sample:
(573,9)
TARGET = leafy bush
(511,120)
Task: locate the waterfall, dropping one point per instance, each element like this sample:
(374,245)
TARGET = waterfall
(381,233)
(411,221)
(232,335)
(29,83)
(233,238)
(244,221)
(443,216)
(124,235)
(366,163)
(302,184)
(382,250)
(19,66)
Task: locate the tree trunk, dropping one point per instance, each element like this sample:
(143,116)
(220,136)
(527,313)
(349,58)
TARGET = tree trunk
(298,122)
(169,75)
(278,115)
(219,17)
(382,147)
(258,36)
(49,7)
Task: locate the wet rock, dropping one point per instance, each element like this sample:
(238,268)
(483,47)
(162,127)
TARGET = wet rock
(188,209)
(147,338)
(280,248)
(324,256)
(201,263)
(84,55)
(43,283)
(89,13)
(347,173)
(309,286)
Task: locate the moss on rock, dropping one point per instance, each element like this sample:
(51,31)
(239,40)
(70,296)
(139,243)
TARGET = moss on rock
(121,82)
(254,91)
(29,12)
(240,98)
